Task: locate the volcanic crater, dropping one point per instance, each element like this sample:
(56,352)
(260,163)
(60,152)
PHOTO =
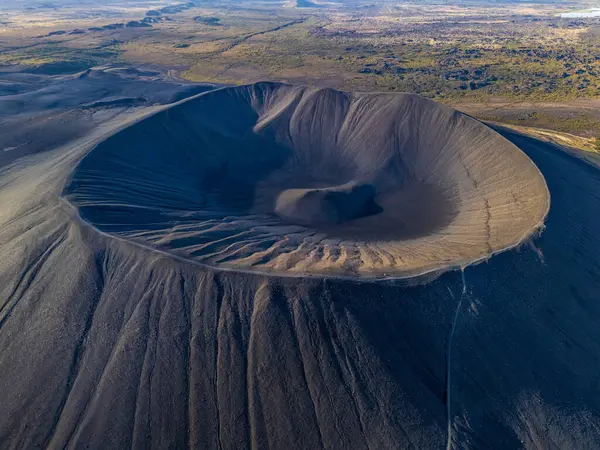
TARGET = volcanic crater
(301,181)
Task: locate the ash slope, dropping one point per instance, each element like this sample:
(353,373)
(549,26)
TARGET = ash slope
(104,344)
(298,181)
(42,112)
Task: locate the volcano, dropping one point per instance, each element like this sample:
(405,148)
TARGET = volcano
(272,266)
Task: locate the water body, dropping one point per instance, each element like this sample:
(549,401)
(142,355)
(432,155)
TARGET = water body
(594,12)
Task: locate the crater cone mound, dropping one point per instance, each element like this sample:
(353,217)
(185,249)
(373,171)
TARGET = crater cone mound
(293,180)
(328,205)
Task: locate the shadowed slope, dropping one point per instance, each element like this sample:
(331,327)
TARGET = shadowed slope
(280,179)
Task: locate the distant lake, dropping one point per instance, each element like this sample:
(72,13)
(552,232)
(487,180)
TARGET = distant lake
(594,12)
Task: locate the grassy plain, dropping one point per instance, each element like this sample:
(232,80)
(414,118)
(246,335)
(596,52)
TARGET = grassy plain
(523,55)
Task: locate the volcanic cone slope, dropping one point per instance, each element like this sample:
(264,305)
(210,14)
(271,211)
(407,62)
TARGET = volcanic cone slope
(294,180)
